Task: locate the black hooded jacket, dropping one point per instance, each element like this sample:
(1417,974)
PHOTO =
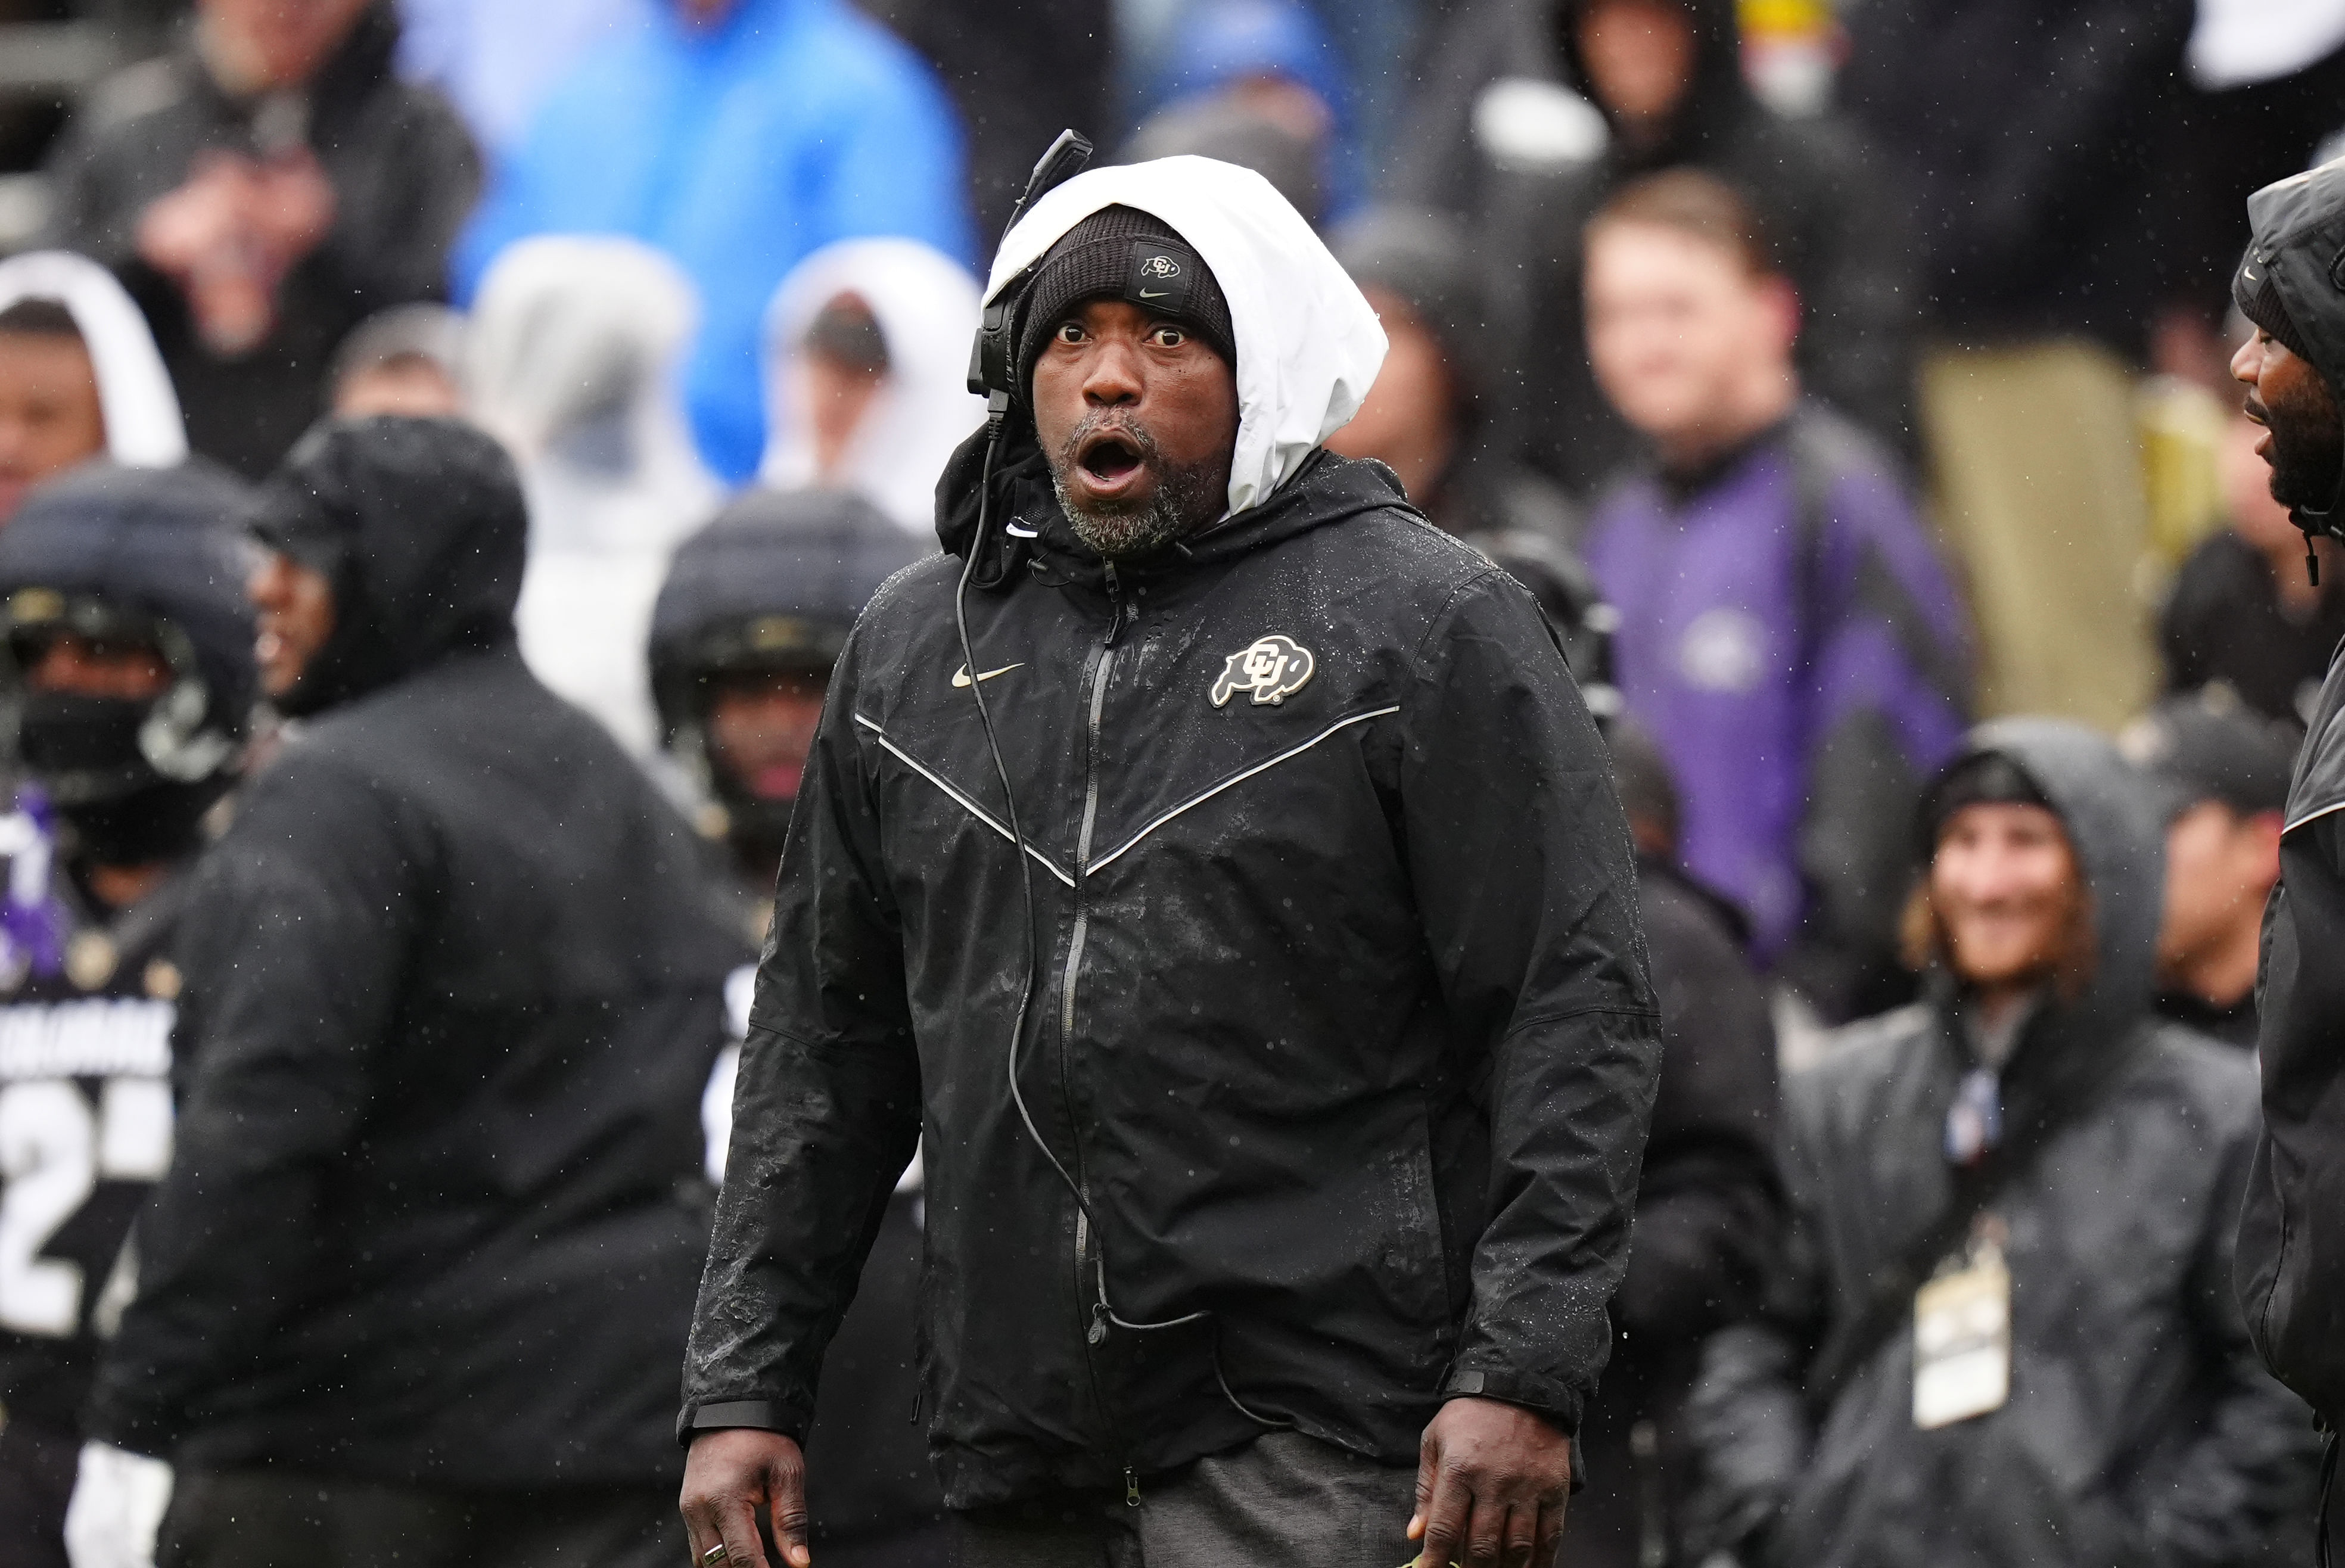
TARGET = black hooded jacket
(2138,1427)
(404,173)
(451,997)
(2292,1232)
(1341,1018)
(1815,191)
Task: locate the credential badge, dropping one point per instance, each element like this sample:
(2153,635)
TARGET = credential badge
(1274,669)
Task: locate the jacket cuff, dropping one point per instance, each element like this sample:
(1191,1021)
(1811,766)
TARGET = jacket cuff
(764,1415)
(1557,1402)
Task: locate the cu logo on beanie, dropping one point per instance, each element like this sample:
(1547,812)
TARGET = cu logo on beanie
(1159,267)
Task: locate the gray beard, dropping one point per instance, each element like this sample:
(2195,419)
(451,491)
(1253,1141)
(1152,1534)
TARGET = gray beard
(1115,533)
(1185,500)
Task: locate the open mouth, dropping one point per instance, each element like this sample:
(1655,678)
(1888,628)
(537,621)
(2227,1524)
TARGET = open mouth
(1109,460)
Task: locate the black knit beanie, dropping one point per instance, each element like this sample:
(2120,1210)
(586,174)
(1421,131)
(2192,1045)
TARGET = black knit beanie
(1982,778)
(1123,253)
(2257,293)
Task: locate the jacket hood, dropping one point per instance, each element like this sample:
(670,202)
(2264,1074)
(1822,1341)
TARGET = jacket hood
(926,305)
(572,362)
(143,427)
(1308,346)
(2296,248)
(420,527)
(2111,810)
(1717,96)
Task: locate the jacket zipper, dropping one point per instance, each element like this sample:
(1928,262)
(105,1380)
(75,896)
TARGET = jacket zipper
(1096,703)
(1103,666)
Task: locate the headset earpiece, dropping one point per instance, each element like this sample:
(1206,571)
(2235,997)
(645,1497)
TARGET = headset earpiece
(993,357)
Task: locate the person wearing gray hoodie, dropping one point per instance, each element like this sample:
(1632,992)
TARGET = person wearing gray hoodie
(2001,1329)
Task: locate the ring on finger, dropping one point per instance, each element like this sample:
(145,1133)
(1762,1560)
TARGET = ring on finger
(714,1555)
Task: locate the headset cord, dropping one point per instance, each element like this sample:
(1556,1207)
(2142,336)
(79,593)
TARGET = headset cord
(1105,1310)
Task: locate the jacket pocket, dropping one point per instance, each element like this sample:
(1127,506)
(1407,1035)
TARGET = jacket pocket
(1414,1259)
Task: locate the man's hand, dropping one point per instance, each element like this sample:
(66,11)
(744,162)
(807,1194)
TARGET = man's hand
(729,1477)
(1491,1483)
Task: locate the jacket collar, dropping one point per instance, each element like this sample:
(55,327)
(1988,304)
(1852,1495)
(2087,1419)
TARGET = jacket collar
(1030,536)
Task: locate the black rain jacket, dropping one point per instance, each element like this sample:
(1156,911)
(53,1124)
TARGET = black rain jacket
(453,993)
(2139,1429)
(1709,1209)
(2292,1231)
(1341,1019)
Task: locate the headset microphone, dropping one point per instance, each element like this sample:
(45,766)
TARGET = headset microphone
(993,375)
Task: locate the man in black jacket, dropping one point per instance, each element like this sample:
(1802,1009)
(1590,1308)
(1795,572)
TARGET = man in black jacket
(451,997)
(2292,1232)
(1289,1139)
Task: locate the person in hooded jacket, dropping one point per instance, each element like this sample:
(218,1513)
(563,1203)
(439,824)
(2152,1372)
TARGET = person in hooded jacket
(1283,1100)
(570,359)
(739,136)
(429,1234)
(2000,1328)
(79,375)
(866,375)
(129,679)
(753,614)
(2292,1230)
(261,191)
(1666,76)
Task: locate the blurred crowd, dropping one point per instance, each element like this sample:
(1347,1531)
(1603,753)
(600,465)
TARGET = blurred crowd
(1838,377)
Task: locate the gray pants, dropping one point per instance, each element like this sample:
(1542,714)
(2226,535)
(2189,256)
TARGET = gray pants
(1286,1500)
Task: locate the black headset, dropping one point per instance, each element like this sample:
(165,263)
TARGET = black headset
(993,357)
(993,375)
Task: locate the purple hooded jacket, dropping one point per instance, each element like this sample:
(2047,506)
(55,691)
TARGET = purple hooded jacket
(1790,639)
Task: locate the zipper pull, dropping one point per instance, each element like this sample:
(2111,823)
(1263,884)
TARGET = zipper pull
(1098,1334)
(1130,1487)
(1115,605)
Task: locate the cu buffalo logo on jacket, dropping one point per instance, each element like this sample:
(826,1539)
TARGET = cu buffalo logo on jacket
(1273,668)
